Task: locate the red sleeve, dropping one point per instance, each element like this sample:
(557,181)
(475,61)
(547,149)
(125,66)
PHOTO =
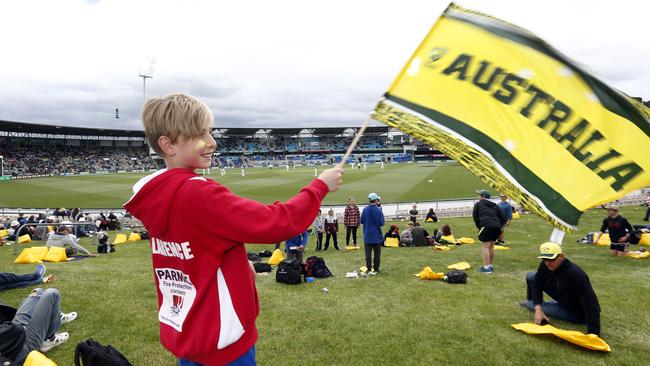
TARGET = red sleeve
(243,220)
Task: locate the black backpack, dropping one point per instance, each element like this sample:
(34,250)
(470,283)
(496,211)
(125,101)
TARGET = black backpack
(92,353)
(262,267)
(289,272)
(315,267)
(265,253)
(253,257)
(456,276)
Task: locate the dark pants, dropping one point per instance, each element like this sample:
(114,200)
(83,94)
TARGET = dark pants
(334,237)
(369,248)
(551,308)
(319,241)
(353,230)
(12,280)
(647,214)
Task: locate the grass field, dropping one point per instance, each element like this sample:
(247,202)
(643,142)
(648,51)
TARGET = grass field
(395,183)
(390,319)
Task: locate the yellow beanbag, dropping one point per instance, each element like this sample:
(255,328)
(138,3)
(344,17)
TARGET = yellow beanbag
(501,247)
(276,258)
(24,239)
(35,358)
(120,239)
(134,237)
(638,255)
(352,247)
(589,341)
(447,239)
(460,266)
(465,240)
(39,252)
(441,247)
(515,215)
(603,240)
(27,257)
(392,242)
(3,233)
(645,239)
(50,228)
(428,274)
(56,254)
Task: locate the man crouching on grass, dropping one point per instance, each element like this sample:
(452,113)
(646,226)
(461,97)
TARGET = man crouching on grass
(574,300)
(207,301)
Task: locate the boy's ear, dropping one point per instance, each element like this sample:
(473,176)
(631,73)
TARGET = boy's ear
(165,144)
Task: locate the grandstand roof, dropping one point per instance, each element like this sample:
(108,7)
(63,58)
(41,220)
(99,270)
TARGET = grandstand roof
(22,127)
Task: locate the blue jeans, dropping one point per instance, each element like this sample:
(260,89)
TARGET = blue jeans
(551,308)
(40,315)
(12,280)
(247,359)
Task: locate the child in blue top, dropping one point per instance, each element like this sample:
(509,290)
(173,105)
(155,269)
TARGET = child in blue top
(295,246)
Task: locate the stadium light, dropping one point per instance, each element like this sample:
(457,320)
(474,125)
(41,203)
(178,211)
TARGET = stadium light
(146,71)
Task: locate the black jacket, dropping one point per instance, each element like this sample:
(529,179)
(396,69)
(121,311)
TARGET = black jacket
(569,285)
(12,336)
(487,214)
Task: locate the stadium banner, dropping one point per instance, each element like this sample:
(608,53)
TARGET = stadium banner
(528,121)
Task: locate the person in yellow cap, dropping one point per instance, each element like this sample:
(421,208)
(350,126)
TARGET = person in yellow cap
(574,300)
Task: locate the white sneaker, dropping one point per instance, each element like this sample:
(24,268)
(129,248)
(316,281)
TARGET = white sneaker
(68,317)
(59,338)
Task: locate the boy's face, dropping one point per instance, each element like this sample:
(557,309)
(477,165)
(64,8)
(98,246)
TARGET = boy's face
(192,153)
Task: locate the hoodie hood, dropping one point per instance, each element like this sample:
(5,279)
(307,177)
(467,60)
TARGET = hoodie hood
(153,196)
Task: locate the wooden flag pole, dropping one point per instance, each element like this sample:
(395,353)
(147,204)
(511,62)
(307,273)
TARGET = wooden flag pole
(354,143)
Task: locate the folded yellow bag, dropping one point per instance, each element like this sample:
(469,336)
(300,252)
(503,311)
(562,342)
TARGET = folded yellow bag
(447,239)
(276,257)
(589,341)
(26,256)
(392,242)
(604,240)
(460,266)
(4,233)
(352,247)
(39,252)
(501,247)
(134,237)
(645,239)
(120,239)
(428,274)
(24,239)
(515,215)
(441,247)
(465,240)
(35,358)
(56,254)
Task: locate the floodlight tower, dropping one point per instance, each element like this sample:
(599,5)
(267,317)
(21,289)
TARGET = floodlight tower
(146,71)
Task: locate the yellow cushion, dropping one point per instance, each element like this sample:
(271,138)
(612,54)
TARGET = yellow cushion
(441,247)
(120,238)
(56,254)
(638,255)
(392,242)
(428,274)
(645,239)
(24,239)
(35,358)
(447,239)
(50,228)
(460,265)
(26,256)
(603,240)
(515,215)
(501,247)
(465,240)
(4,232)
(276,258)
(428,220)
(39,252)
(134,237)
(352,247)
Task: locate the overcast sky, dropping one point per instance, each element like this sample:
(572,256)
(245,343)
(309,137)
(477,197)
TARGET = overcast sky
(278,63)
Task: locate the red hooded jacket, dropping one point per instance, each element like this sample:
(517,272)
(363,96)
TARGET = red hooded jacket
(207,300)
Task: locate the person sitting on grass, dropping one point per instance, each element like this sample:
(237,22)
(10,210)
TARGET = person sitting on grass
(431,216)
(619,230)
(421,237)
(33,325)
(393,232)
(63,239)
(406,237)
(574,300)
(10,280)
(445,236)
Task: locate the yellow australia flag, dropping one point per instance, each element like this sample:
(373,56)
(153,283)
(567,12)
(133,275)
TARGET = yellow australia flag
(520,115)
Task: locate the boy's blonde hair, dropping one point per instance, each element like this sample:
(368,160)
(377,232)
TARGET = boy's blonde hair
(174,115)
